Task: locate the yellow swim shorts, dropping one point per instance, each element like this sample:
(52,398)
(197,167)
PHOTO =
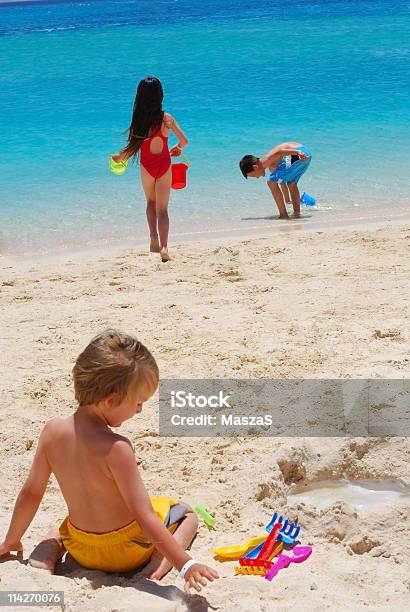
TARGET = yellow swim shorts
(121,550)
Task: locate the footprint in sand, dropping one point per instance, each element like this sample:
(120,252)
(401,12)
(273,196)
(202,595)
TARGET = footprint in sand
(232,275)
(394,334)
(22,298)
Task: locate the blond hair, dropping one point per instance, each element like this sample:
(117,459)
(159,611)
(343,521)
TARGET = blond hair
(113,362)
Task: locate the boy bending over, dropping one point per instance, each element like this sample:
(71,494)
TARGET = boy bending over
(286,163)
(112,524)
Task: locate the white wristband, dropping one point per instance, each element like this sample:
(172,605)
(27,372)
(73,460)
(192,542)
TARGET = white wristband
(186,567)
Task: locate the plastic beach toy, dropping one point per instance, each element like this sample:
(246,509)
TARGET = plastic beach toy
(307,199)
(266,551)
(201,510)
(117,167)
(299,554)
(235,552)
(289,531)
(179,172)
(257,570)
(260,564)
(254,553)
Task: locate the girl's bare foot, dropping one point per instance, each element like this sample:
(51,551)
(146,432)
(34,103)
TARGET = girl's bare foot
(46,554)
(165,256)
(154,245)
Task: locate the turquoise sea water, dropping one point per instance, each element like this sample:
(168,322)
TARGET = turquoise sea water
(238,76)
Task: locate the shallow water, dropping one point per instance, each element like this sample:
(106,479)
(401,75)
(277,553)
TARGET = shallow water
(361,494)
(239,77)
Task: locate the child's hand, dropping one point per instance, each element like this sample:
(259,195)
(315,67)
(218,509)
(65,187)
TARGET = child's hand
(175,151)
(195,576)
(117,157)
(7,547)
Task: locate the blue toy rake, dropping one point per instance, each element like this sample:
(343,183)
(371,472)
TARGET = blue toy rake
(288,534)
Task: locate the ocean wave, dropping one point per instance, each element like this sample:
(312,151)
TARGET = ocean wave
(12,32)
(59,28)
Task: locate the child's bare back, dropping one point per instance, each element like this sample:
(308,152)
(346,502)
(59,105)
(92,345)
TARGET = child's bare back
(78,450)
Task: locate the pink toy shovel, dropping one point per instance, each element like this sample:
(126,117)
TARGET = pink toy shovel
(300,553)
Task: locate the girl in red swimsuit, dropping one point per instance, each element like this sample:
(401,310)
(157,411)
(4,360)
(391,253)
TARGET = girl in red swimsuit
(148,137)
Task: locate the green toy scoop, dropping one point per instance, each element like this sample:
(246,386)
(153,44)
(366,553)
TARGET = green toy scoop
(201,511)
(117,167)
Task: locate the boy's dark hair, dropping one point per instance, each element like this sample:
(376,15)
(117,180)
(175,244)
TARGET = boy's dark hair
(246,164)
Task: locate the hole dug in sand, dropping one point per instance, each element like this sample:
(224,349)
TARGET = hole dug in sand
(360,494)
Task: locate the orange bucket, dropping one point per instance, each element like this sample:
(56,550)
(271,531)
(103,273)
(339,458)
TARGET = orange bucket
(179,172)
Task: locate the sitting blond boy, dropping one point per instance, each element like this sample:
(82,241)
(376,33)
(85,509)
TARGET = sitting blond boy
(112,525)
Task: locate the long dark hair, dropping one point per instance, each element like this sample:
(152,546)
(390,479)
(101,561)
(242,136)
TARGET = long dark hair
(147,114)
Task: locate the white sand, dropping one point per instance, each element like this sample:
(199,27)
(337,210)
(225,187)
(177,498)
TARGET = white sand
(324,304)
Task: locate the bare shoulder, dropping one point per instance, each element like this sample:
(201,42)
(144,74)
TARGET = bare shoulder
(55,425)
(120,446)
(52,432)
(120,457)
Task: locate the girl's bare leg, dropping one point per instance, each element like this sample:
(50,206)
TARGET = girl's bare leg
(148,185)
(184,534)
(48,552)
(162,191)
(278,197)
(294,192)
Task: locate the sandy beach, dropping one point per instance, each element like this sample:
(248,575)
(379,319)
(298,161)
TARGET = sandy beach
(325,304)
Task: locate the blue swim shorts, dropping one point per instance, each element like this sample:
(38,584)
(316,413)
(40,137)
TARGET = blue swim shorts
(286,172)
